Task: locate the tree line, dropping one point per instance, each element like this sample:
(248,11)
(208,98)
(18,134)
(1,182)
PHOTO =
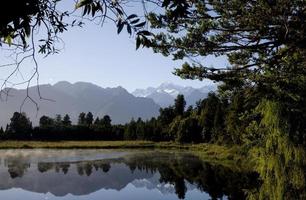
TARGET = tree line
(215,119)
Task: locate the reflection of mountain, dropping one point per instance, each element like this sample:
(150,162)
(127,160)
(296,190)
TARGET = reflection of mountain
(154,183)
(166,172)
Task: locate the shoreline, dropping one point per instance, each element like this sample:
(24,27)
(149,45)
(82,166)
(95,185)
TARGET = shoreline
(232,156)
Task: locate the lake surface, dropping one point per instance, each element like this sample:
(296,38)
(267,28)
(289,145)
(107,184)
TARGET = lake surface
(116,174)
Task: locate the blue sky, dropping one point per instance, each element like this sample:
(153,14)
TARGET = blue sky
(97,54)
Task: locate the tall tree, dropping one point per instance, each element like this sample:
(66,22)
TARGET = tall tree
(97,121)
(1,132)
(263,42)
(179,104)
(58,120)
(89,118)
(20,125)
(82,120)
(46,121)
(106,121)
(66,120)
(130,130)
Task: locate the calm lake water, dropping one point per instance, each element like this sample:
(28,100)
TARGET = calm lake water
(116,174)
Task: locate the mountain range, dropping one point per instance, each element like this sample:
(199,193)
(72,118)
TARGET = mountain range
(165,94)
(66,98)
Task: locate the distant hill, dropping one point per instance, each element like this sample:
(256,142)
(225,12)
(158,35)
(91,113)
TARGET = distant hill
(78,97)
(165,94)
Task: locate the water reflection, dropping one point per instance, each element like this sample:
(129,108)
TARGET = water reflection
(86,172)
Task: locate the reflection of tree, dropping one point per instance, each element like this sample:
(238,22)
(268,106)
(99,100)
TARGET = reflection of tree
(105,167)
(80,169)
(176,169)
(83,167)
(169,176)
(88,169)
(17,168)
(44,167)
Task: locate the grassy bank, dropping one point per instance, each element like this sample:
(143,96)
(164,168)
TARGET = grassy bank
(231,156)
(210,148)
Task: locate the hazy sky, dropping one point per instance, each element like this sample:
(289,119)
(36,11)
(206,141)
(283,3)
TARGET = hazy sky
(98,55)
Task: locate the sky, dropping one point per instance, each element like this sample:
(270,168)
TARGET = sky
(99,55)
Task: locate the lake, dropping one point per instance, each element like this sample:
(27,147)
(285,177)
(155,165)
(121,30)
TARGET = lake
(117,174)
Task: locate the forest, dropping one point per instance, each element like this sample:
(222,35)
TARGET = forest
(208,121)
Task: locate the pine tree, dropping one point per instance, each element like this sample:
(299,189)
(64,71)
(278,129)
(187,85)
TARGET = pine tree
(66,120)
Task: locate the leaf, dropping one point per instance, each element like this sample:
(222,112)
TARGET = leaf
(83,3)
(140,24)
(120,27)
(135,21)
(85,10)
(138,42)
(147,33)
(119,11)
(73,22)
(129,29)
(131,16)
(93,12)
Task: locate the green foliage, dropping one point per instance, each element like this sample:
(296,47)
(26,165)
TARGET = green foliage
(255,36)
(208,116)
(280,163)
(188,131)
(58,120)
(130,131)
(82,119)
(20,126)
(66,120)
(89,119)
(233,121)
(179,105)
(46,121)
(1,132)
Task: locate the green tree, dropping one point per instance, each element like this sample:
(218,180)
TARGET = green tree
(89,118)
(1,132)
(207,116)
(130,130)
(179,104)
(233,122)
(166,115)
(218,132)
(262,41)
(106,121)
(58,120)
(46,121)
(97,121)
(20,125)
(140,129)
(82,119)
(66,120)
(189,131)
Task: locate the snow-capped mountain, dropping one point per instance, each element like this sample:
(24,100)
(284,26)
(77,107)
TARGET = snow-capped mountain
(165,94)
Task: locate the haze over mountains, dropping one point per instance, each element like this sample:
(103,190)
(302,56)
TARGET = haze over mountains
(122,106)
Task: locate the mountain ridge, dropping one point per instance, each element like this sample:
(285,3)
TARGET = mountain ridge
(117,102)
(165,93)
(67,98)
